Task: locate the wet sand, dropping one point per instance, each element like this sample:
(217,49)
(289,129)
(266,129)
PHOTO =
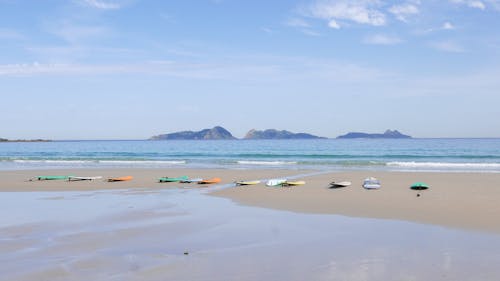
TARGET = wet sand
(460,200)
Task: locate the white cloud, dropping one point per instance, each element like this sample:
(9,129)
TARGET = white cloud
(333,24)
(381,39)
(447,46)
(448,26)
(401,12)
(477,5)
(103,5)
(358,11)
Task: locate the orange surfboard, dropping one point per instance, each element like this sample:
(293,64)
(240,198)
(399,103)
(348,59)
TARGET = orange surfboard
(210,181)
(126,178)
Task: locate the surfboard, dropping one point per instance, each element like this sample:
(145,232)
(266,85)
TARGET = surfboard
(247,182)
(293,183)
(177,179)
(371,183)
(339,184)
(48,178)
(71,178)
(195,180)
(126,178)
(419,186)
(210,181)
(275,182)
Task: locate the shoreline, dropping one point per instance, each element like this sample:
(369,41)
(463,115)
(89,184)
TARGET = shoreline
(458,200)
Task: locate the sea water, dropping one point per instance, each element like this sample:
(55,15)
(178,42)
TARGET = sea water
(374,154)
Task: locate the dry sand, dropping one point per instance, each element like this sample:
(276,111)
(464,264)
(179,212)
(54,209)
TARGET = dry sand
(461,200)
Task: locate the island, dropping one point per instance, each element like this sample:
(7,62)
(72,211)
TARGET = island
(216,133)
(276,134)
(386,135)
(34,140)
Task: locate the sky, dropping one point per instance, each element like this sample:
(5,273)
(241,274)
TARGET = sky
(131,69)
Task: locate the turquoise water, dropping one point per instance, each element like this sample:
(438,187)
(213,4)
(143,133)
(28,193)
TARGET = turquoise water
(388,154)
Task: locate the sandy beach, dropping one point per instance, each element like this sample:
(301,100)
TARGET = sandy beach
(458,200)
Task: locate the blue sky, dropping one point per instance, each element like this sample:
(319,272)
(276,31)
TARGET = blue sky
(130,69)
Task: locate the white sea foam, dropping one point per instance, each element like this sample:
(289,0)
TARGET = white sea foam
(106,162)
(271,163)
(146,162)
(445,165)
(53,161)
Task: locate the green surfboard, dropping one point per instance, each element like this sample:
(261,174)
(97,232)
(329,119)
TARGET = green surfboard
(48,178)
(177,179)
(419,186)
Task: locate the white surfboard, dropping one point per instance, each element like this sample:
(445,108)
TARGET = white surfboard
(339,184)
(247,182)
(84,178)
(275,182)
(371,183)
(196,180)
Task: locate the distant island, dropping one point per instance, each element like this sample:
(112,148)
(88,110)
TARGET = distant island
(386,135)
(216,133)
(276,134)
(219,133)
(34,140)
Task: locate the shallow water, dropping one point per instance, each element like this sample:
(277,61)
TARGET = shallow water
(144,235)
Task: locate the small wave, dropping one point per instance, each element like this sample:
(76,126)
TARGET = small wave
(109,162)
(445,165)
(274,163)
(54,161)
(170,162)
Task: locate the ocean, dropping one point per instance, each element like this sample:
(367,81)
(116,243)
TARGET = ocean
(461,155)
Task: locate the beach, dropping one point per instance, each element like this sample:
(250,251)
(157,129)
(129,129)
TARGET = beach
(145,230)
(458,200)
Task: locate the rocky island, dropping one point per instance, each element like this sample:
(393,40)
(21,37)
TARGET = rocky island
(216,133)
(386,135)
(35,140)
(219,133)
(276,134)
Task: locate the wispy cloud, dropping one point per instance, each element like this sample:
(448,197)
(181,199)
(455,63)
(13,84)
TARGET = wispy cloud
(297,22)
(447,46)
(470,3)
(10,34)
(165,68)
(356,11)
(403,11)
(267,30)
(310,32)
(74,33)
(303,26)
(381,39)
(256,68)
(103,5)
